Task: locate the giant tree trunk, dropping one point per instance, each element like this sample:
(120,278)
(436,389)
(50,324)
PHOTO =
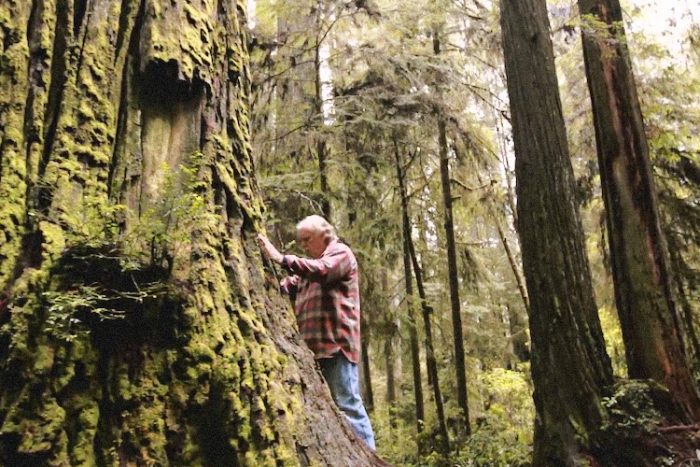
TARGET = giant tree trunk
(651,327)
(570,367)
(139,329)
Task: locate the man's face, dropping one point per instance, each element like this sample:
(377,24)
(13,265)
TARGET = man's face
(312,242)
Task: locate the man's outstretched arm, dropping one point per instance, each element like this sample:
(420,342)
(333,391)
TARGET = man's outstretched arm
(332,266)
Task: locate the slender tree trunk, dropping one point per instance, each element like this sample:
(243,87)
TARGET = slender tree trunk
(516,319)
(425,308)
(570,367)
(430,349)
(367,393)
(651,327)
(503,157)
(321,149)
(413,331)
(142,332)
(367,326)
(453,273)
(512,262)
(390,373)
(413,337)
(392,330)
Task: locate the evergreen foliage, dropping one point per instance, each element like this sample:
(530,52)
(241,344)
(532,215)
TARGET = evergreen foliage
(380,79)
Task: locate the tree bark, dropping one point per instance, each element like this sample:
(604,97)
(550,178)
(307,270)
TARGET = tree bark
(139,329)
(651,327)
(570,367)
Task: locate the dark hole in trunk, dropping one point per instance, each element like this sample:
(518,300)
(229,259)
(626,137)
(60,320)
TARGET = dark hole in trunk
(78,15)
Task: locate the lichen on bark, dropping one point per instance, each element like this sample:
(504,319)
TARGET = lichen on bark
(139,329)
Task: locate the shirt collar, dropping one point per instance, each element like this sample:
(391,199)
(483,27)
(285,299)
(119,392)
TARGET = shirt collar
(332,243)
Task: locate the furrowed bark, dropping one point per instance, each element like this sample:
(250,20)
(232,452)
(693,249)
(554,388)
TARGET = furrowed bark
(651,327)
(570,367)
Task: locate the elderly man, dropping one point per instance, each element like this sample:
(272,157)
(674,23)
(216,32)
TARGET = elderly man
(326,298)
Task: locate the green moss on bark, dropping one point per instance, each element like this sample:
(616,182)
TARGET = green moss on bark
(141,332)
(13,81)
(191,50)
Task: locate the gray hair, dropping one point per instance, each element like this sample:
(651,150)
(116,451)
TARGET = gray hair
(318,224)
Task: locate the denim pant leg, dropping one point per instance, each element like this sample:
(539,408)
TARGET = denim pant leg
(342,378)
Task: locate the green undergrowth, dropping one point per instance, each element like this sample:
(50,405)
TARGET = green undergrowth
(639,413)
(94,287)
(502,416)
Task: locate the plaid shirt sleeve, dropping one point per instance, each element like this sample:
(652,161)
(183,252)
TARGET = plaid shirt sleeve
(331,267)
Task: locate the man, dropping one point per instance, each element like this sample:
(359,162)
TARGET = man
(326,298)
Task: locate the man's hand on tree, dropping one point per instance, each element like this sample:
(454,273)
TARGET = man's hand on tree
(269,249)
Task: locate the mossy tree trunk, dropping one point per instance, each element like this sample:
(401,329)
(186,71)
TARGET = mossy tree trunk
(570,367)
(140,328)
(651,325)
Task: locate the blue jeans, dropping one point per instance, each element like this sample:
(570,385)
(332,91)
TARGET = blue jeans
(342,378)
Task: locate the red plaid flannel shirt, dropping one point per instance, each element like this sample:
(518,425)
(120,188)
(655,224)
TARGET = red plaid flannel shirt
(326,300)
